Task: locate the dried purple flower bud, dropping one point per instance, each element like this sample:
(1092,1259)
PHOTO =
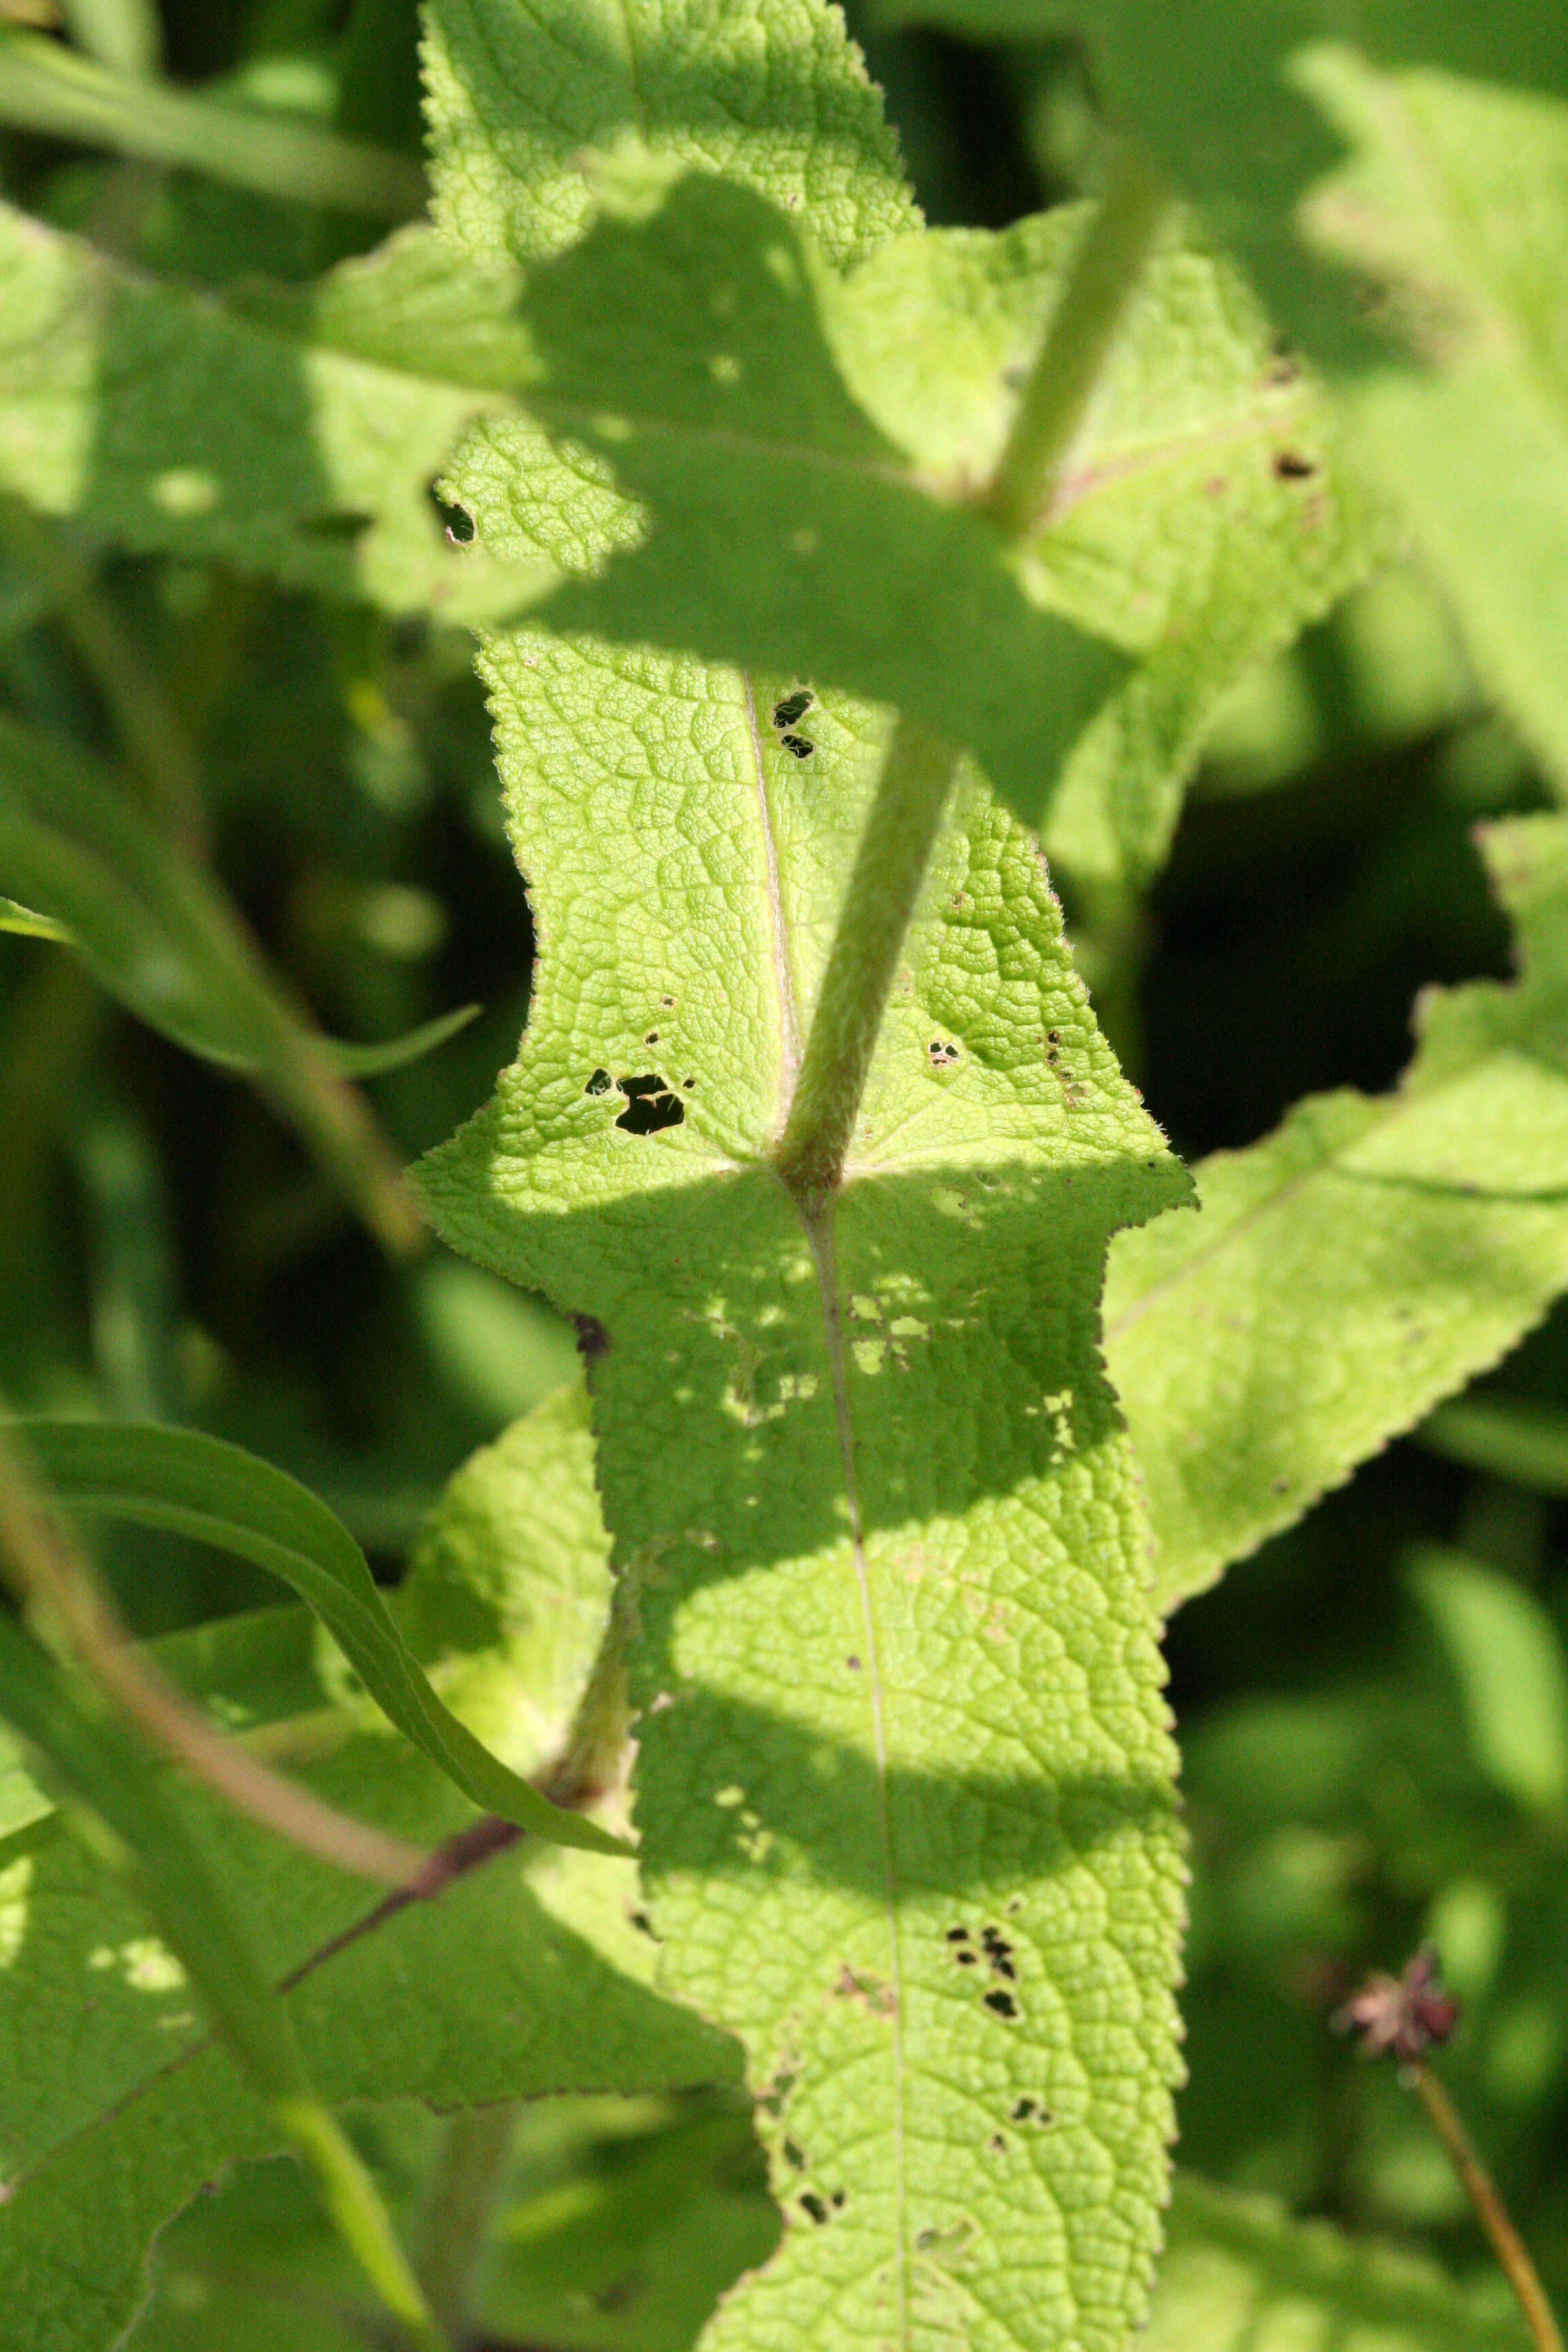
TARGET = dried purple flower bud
(1405,2014)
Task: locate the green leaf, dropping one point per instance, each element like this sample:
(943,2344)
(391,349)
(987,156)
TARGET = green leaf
(1239,2276)
(159,934)
(172,421)
(44,87)
(1361,1263)
(508,1595)
(1508,1656)
(902,1779)
(1453,203)
(117,2110)
(191,1485)
(770,92)
(15,917)
(1209,86)
(789,444)
(528,1976)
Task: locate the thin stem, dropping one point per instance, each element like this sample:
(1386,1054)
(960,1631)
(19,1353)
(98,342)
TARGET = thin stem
(889,867)
(156,743)
(43,1566)
(1490,2210)
(1104,277)
(467,2179)
(361,2217)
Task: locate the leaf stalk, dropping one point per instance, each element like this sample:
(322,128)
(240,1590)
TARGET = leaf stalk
(889,867)
(1104,277)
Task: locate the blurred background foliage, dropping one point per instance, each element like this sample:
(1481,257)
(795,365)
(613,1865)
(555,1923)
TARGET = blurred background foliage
(1374,1709)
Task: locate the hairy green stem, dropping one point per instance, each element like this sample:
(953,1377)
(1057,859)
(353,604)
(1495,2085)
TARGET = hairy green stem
(1104,276)
(889,867)
(1490,2212)
(467,2179)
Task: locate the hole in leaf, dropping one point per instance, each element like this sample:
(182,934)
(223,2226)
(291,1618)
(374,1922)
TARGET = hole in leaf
(812,2203)
(599,1083)
(643,1925)
(795,2155)
(650,1105)
(1001,2002)
(942,1055)
(958,1935)
(997,2143)
(457,521)
(593,1339)
(1289,466)
(652,1037)
(836,2201)
(792,708)
(798,745)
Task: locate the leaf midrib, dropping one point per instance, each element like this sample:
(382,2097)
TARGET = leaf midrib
(819,1230)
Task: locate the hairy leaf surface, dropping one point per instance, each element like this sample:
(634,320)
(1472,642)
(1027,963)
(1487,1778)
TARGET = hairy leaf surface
(1362,1262)
(770,92)
(797,452)
(174,423)
(902,1780)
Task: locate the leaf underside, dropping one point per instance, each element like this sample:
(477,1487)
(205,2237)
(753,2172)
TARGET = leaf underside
(903,1780)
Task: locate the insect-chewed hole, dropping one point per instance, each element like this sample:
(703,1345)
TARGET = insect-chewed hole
(797,746)
(1031,2111)
(1001,2002)
(795,2155)
(593,1339)
(457,521)
(958,1935)
(650,1105)
(942,1053)
(812,2203)
(1289,466)
(791,708)
(599,1083)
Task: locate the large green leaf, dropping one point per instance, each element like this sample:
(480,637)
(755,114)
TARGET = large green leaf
(1361,1263)
(525,1977)
(770,92)
(196,1486)
(1209,86)
(902,1775)
(170,421)
(796,453)
(1455,203)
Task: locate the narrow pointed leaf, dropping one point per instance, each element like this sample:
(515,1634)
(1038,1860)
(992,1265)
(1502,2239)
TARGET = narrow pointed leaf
(196,1486)
(46,87)
(1361,1263)
(903,1777)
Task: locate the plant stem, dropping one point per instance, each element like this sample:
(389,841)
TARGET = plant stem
(361,2219)
(1490,2210)
(890,866)
(156,744)
(462,2196)
(1104,276)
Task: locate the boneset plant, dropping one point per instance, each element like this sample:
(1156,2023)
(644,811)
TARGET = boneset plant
(780,1708)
